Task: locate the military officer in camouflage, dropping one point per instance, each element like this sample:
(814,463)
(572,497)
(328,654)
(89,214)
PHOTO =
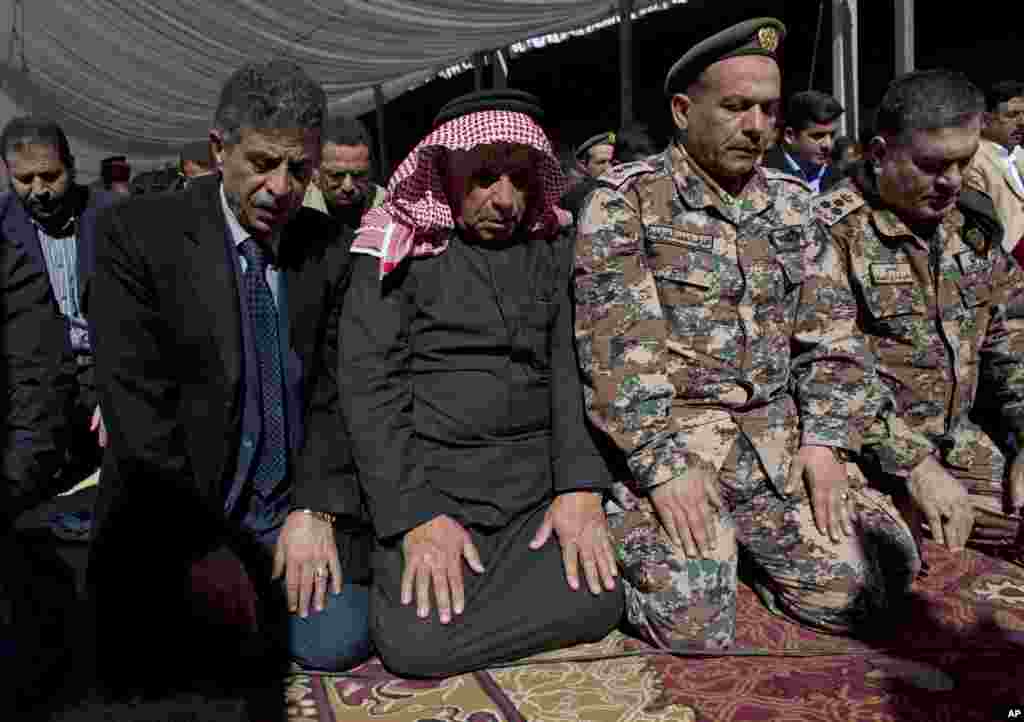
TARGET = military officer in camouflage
(717,337)
(940,302)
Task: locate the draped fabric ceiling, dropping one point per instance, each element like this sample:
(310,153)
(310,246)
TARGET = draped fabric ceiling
(142,76)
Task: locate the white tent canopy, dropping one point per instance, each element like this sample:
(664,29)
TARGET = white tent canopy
(140,77)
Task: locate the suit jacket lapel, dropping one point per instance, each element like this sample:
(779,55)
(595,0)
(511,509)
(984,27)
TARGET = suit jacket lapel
(297,303)
(85,240)
(18,227)
(305,269)
(214,274)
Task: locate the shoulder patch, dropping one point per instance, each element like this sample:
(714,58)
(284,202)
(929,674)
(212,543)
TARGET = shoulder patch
(618,176)
(981,215)
(835,205)
(774,174)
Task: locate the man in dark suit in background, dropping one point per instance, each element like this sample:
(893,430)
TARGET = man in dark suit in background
(213,317)
(50,220)
(37,383)
(804,149)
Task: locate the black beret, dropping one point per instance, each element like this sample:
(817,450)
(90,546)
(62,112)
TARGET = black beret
(606,138)
(516,101)
(760,36)
(197,151)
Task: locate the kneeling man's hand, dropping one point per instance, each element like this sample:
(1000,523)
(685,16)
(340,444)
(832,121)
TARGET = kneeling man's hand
(944,501)
(307,555)
(433,554)
(97,426)
(579,522)
(684,506)
(828,488)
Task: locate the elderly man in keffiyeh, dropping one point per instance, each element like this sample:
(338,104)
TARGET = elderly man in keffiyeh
(460,389)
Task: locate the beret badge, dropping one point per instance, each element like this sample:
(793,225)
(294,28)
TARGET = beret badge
(768,38)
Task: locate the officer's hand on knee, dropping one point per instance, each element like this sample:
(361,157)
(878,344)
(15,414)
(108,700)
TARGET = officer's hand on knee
(944,502)
(433,554)
(687,507)
(828,487)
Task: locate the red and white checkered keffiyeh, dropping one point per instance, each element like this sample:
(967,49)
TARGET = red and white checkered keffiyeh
(416,216)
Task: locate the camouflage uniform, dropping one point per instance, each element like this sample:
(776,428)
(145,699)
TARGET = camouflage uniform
(703,323)
(940,317)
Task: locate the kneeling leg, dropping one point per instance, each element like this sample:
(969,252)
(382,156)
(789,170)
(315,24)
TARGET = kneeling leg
(672,600)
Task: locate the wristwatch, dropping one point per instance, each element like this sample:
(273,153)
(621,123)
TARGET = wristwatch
(321,515)
(842,455)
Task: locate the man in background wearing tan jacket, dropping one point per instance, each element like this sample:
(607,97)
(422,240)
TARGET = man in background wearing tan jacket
(998,167)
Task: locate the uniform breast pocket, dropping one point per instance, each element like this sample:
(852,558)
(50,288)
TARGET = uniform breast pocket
(975,282)
(789,252)
(772,278)
(974,293)
(683,286)
(767,282)
(894,308)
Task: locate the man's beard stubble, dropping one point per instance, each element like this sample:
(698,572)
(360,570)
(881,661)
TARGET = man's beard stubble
(50,211)
(350,203)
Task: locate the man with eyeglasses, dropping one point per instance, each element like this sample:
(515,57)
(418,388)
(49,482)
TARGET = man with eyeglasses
(341,186)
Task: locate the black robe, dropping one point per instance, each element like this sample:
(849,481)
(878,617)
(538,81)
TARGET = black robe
(460,385)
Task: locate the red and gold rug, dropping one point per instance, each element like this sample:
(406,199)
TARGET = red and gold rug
(957,655)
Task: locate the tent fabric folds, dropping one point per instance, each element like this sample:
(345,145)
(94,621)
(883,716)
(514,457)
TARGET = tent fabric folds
(142,76)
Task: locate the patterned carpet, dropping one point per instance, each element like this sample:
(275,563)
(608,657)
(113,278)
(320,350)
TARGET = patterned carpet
(955,655)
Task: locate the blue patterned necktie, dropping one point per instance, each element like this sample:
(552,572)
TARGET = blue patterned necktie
(270,464)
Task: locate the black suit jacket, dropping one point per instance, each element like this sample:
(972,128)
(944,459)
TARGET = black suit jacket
(37,377)
(168,346)
(775,158)
(34,402)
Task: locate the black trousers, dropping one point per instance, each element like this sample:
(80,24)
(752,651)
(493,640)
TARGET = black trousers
(520,605)
(37,599)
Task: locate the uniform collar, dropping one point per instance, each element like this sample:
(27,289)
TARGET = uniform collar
(885,220)
(699,190)
(889,224)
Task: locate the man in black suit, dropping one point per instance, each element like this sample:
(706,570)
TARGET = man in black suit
(804,149)
(50,221)
(213,313)
(37,378)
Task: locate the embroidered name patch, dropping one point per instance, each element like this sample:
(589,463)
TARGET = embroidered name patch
(971,263)
(889,273)
(703,242)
